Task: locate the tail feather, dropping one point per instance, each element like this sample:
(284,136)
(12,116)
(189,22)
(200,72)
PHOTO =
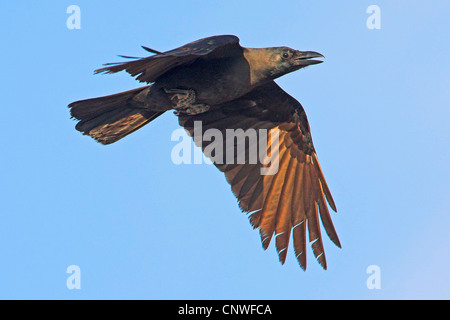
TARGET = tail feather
(108,119)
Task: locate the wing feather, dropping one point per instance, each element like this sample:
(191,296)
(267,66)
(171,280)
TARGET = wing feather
(284,212)
(269,210)
(149,69)
(291,201)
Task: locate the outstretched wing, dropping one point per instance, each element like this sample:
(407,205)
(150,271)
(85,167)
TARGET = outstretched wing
(151,68)
(287,202)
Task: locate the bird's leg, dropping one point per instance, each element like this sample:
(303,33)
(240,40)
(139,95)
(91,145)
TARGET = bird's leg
(184,101)
(182,98)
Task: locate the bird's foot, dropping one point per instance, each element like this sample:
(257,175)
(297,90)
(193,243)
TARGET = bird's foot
(193,109)
(184,102)
(181,98)
(196,109)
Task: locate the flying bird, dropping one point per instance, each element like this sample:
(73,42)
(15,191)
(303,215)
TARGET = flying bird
(222,85)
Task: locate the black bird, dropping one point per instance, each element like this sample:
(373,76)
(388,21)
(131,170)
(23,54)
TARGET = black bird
(223,85)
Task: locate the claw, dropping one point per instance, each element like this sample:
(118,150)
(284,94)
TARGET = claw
(184,101)
(197,109)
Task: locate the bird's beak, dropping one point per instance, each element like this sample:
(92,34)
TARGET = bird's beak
(302,58)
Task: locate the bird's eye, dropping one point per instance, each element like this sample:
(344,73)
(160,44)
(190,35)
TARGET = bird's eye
(285,55)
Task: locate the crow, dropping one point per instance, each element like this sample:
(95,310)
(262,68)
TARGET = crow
(217,83)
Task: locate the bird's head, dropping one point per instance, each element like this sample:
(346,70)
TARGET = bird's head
(275,62)
(284,60)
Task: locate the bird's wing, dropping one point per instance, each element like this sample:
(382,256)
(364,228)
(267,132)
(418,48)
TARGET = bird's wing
(287,202)
(151,68)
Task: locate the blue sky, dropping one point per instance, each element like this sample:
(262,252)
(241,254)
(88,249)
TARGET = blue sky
(141,227)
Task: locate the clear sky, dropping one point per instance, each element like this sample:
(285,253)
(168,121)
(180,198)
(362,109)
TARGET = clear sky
(140,227)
